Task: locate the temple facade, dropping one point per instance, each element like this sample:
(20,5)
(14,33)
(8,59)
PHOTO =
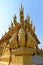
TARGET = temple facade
(20,43)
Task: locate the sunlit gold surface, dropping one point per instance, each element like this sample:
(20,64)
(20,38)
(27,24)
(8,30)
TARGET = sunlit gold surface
(19,43)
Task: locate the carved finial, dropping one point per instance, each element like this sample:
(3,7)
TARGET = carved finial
(28,18)
(21,5)
(21,16)
(14,19)
(11,24)
(32,25)
(15,16)
(21,8)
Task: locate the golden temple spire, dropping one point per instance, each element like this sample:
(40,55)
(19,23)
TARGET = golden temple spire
(21,15)
(21,8)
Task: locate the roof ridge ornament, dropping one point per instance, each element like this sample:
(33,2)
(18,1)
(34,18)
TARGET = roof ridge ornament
(11,24)
(28,18)
(21,8)
(15,19)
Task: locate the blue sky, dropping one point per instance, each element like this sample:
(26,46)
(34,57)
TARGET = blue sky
(34,8)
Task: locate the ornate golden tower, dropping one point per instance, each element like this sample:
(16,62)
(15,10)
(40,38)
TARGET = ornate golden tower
(20,42)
